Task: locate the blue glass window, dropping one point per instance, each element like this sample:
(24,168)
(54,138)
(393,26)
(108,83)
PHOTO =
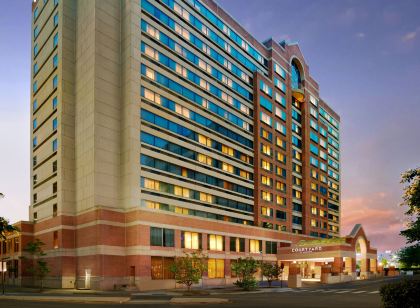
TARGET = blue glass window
(35,68)
(314,149)
(266,103)
(55,81)
(55,61)
(34,105)
(54,102)
(55,2)
(35,86)
(314,137)
(36,12)
(36,32)
(34,142)
(55,145)
(296,79)
(54,124)
(56,19)
(36,50)
(55,40)
(34,124)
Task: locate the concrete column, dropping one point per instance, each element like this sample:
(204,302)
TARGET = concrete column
(325,273)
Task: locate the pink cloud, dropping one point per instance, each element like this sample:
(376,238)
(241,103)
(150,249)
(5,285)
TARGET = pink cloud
(381,222)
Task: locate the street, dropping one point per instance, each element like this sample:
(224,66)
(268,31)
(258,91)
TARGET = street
(355,294)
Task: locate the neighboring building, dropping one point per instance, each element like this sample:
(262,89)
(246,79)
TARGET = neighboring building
(159,126)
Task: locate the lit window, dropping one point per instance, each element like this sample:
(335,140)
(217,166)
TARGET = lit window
(266,149)
(265,180)
(216,268)
(313,210)
(266,196)
(265,118)
(227,150)
(215,242)
(266,165)
(204,140)
(266,211)
(280,200)
(255,246)
(227,167)
(190,240)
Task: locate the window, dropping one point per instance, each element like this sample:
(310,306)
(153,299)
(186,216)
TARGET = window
(36,50)
(35,197)
(162,237)
(160,268)
(34,142)
(265,118)
(54,166)
(265,149)
(54,210)
(216,268)
(281,215)
(296,78)
(280,186)
(56,19)
(270,247)
(55,82)
(297,194)
(266,196)
(35,215)
(237,244)
(55,240)
(35,68)
(55,188)
(55,40)
(265,180)
(314,210)
(54,103)
(34,105)
(34,161)
(255,246)
(55,2)
(35,86)
(266,211)
(281,143)
(280,113)
(266,134)
(34,124)
(54,145)
(54,124)
(280,200)
(36,13)
(215,242)
(266,103)
(190,240)
(16,245)
(265,88)
(55,61)
(266,165)
(34,179)
(36,32)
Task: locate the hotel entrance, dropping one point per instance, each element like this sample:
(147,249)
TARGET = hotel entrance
(329,260)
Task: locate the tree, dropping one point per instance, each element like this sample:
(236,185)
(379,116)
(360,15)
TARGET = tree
(38,267)
(271,271)
(409,256)
(5,228)
(189,269)
(384,262)
(245,270)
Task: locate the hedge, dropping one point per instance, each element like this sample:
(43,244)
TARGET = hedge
(405,293)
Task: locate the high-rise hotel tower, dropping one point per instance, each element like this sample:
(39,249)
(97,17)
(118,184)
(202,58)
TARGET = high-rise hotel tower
(159,126)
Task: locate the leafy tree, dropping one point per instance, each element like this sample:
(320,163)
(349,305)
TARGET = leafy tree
(38,267)
(409,255)
(384,262)
(245,270)
(6,228)
(189,269)
(271,271)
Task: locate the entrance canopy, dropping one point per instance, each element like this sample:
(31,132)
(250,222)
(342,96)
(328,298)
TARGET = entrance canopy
(325,250)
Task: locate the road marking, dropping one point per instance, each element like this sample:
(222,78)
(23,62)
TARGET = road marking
(358,292)
(347,291)
(328,291)
(374,292)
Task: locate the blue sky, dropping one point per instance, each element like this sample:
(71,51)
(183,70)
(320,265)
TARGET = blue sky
(365,55)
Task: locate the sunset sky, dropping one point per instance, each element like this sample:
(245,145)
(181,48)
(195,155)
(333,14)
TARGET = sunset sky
(365,55)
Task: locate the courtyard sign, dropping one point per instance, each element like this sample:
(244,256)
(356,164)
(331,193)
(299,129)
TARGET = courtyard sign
(307,249)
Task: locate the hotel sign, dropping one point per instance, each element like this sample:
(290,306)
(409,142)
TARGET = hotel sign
(307,249)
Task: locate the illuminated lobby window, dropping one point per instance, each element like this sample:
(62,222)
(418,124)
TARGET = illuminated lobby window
(216,268)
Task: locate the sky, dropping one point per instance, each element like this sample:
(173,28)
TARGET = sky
(365,55)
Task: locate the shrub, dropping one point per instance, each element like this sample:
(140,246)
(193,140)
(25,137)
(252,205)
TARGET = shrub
(245,270)
(405,293)
(271,271)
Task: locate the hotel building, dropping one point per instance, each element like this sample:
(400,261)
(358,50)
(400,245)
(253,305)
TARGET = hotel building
(160,127)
